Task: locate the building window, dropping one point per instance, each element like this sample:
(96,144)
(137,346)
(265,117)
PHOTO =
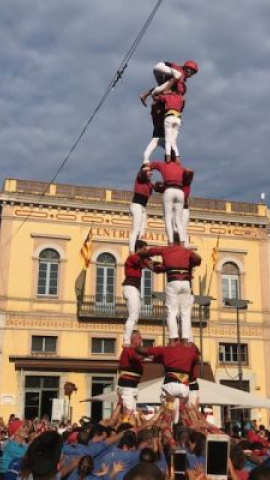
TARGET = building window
(100,385)
(105,280)
(39,395)
(146,291)
(228,353)
(230,281)
(104,346)
(48,272)
(148,342)
(43,344)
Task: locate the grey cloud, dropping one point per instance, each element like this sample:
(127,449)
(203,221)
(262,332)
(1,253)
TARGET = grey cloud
(57,58)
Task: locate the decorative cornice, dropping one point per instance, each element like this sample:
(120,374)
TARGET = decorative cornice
(213,329)
(51,236)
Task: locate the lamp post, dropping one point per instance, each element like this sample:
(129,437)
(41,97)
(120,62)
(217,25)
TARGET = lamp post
(202,301)
(238,304)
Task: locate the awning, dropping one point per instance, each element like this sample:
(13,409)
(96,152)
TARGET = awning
(210,394)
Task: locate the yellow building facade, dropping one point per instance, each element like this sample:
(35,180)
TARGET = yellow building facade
(48,338)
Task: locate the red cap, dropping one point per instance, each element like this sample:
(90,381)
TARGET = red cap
(191,64)
(14,426)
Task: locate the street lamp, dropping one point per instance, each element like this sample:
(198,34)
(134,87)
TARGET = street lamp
(238,304)
(202,301)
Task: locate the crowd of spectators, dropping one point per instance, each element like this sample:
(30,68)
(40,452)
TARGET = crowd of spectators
(123,449)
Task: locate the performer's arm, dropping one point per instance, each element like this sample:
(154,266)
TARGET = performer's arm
(155,352)
(159,165)
(150,252)
(148,263)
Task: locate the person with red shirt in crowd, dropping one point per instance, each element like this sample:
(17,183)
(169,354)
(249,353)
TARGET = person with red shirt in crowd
(142,190)
(178,262)
(133,267)
(173,196)
(158,137)
(173,105)
(167,74)
(130,371)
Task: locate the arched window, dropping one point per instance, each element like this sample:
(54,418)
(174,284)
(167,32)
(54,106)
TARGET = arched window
(230,280)
(48,267)
(105,281)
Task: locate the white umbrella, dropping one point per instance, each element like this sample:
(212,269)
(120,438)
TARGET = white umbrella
(210,394)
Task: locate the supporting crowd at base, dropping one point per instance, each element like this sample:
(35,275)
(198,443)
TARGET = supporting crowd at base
(139,449)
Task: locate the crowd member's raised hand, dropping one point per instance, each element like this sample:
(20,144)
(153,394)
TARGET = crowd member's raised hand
(197,473)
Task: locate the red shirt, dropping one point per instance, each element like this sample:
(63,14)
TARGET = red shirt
(131,366)
(172,172)
(181,85)
(187,180)
(176,257)
(177,67)
(241,474)
(142,185)
(175,358)
(172,101)
(186,191)
(133,267)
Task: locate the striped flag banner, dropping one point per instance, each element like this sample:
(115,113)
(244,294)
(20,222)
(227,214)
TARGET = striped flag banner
(86,250)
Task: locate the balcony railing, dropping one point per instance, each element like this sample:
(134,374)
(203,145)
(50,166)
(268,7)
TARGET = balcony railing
(107,306)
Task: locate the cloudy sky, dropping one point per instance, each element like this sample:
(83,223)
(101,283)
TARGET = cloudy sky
(58,57)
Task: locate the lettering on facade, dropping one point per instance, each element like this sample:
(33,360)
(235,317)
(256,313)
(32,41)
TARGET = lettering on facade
(107,232)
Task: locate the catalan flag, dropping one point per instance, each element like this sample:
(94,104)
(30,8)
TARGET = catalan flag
(215,254)
(85,253)
(86,249)
(214,263)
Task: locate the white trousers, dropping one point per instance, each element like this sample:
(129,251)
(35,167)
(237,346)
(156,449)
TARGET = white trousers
(151,147)
(171,127)
(162,73)
(178,300)
(139,219)
(194,397)
(176,389)
(129,397)
(185,222)
(179,321)
(173,204)
(132,297)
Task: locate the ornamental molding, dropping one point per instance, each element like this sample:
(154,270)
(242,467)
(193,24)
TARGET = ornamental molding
(69,324)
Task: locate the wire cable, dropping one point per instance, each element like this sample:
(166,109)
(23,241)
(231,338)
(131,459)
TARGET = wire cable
(115,79)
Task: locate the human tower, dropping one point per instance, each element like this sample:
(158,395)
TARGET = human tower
(178,260)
